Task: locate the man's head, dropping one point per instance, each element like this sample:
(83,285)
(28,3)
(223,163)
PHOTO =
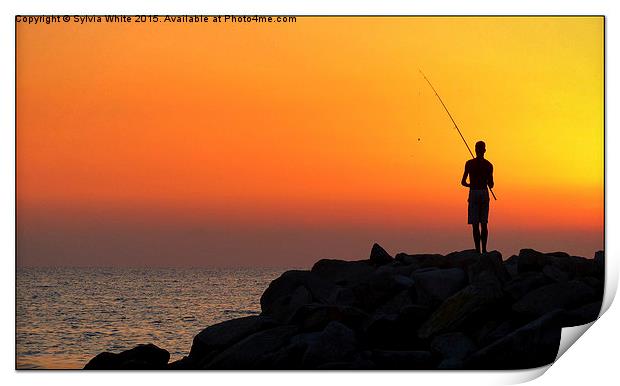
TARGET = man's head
(481,148)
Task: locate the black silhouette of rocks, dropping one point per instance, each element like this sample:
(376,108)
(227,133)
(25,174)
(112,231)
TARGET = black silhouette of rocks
(222,335)
(533,345)
(453,346)
(250,352)
(436,285)
(463,310)
(554,296)
(141,357)
(378,255)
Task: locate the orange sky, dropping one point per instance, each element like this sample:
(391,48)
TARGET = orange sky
(277,144)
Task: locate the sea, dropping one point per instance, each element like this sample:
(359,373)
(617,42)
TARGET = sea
(66,316)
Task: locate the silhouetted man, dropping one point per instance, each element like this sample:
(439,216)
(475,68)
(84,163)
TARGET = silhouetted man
(480,172)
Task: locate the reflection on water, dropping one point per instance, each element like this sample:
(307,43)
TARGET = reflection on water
(65,316)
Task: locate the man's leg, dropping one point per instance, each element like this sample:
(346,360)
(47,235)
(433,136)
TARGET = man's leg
(484,234)
(476,232)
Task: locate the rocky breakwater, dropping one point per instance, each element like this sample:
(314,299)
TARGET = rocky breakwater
(463,310)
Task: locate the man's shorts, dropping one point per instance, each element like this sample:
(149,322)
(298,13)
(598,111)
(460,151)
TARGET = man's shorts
(478,208)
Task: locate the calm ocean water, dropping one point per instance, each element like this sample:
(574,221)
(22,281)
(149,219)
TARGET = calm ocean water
(65,316)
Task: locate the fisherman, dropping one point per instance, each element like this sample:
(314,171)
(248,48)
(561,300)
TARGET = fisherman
(480,172)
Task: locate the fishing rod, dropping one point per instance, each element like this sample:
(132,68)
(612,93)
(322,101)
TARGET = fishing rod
(452,119)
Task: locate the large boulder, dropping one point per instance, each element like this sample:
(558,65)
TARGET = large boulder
(454,345)
(511,266)
(141,357)
(525,283)
(403,360)
(335,343)
(396,303)
(555,273)
(462,308)
(564,295)
(487,267)
(343,272)
(288,357)
(533,345)
(531,260)
(248,353)
(599,260)
(415,315)
(585,314)
(378,288)
(316,316)
(342,296)
(222,335)
(418,261)
(559,265)
(479,267)
(494,330)
(435,286)
(379,256)
(392,332)
(292,290)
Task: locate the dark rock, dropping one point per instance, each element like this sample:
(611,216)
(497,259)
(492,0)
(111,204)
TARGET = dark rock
(585,314)
(222,335)
(403,360)
(524,283)
(336,343)
(555,273)
(377,289)
(512,266)
(421,260)
(558,254)
(248,353)
(292,290)
(396,268)
(283,308)
(393,331)
(599,260)
(554,296)
(454,345)
(495,330)
(399,301)
(360,364)
(379,256)
(434,286)
(288,357)
(316,316)
(514,259)
(343,272)
(414,315)
(462,308)
(564,265)
(412,312)
(531,260)
(451,364)
(479,267)
(461,259)
(342,296)
(487,267)
(141,357)
(596,284)
(182,364)
(533,345)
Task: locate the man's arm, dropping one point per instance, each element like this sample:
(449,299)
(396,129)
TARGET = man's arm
(464,179)
(490,182)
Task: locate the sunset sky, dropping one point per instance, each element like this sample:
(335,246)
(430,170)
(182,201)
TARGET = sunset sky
(166,144)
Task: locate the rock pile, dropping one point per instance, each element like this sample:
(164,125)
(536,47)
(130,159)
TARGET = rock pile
(463,310)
